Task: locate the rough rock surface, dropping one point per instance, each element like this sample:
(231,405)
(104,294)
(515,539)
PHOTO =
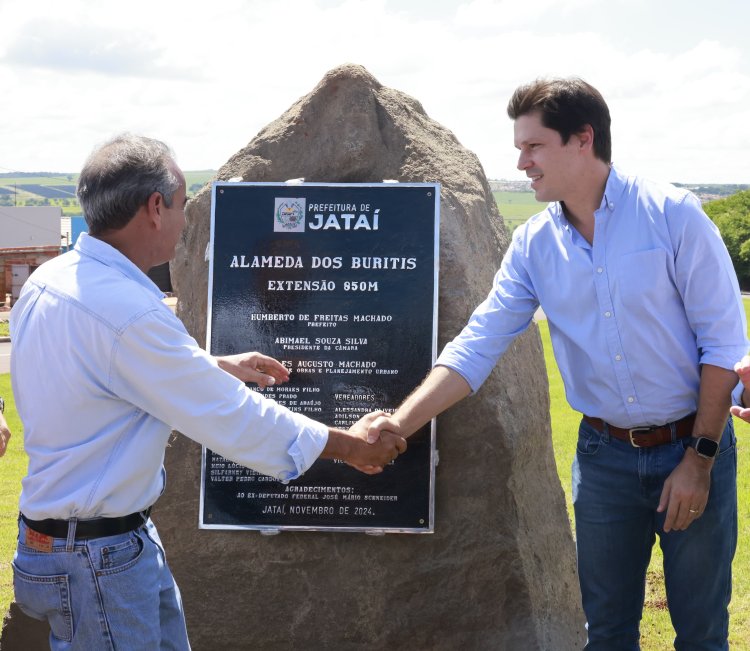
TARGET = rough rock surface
(22,633)
(499,572)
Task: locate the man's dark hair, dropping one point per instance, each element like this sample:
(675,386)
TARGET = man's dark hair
(120,176)
(567,106)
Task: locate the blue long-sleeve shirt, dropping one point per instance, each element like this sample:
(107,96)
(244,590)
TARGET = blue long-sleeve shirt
(632,317)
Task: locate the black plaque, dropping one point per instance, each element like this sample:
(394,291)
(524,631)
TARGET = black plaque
(339,282)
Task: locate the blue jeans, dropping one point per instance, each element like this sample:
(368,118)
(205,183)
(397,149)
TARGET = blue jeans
(616,489)
(110,593)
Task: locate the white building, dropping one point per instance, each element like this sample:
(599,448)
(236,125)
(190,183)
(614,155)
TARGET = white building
(29,236)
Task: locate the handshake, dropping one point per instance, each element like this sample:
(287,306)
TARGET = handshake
(369,445)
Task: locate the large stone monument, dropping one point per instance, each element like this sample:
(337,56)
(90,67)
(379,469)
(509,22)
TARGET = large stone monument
(499,571)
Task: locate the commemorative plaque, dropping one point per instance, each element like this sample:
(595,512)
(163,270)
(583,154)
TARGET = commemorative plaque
(339,283)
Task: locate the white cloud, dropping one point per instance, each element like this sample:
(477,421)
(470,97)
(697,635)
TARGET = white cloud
(206,79)
(62,46)
(484,14)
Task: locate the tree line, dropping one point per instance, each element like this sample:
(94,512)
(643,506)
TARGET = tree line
(732,217)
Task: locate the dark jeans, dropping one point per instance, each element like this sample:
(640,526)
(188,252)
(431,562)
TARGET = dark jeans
(616,489)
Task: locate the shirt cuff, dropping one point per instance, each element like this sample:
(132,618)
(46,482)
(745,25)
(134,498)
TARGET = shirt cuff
(723,356)
(307,447)
(472,368)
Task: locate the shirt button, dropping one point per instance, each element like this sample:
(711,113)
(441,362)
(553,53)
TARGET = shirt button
(608,314)
(618,358)
(599,270)
(631,399)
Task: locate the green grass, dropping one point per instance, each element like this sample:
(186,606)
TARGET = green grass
(13,466)
(657,633)
(517,207)
(63,178)
(4,329)
(656,628)
(198,177)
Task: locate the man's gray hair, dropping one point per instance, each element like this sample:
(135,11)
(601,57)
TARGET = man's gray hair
(120,176)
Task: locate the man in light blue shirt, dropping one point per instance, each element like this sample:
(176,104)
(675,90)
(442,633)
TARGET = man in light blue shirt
(102,372)
(646,322)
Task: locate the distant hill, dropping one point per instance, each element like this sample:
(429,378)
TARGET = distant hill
(503,185)
(25,175)
(711,192)
(58,188)
(704,191)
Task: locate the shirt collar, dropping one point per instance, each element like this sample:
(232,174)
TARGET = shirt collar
(110,256)
(616,183)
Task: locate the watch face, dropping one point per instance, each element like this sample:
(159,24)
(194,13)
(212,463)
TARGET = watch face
(706,447)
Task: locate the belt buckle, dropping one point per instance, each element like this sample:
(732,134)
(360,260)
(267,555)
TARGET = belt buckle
(637,430)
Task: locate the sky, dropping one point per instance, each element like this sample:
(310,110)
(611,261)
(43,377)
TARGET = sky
(207,77)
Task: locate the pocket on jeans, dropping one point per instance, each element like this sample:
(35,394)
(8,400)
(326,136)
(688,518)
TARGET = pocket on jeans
(728,441)
(589,441)
(120,556)
(45,598)
(727,444)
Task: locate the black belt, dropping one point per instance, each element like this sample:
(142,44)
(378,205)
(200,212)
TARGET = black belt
(96,528)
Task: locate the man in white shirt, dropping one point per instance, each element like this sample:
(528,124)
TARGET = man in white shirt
(102,372)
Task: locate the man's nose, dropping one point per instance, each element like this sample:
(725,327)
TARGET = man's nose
(523,161)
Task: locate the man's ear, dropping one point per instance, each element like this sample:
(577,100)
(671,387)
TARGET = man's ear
(154,206)
(586,137)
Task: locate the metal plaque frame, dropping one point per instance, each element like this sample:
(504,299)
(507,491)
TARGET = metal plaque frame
(340,282)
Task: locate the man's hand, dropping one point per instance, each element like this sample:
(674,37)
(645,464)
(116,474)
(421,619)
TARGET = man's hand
(254,367)
(381,423)
(685,493)
(352,446)
(4,435)
(363,428)
(742,368)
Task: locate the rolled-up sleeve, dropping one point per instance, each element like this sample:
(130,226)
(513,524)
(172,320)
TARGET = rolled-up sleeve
(160,369)
(505,313)
(708,284)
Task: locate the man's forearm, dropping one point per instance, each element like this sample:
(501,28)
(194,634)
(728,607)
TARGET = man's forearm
(441,389)
(338,446)
(714,400)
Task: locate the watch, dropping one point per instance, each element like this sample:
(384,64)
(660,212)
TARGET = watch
(2,405)
(704,447)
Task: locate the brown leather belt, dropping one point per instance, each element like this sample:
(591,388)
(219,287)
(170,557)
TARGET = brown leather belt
(645,437)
